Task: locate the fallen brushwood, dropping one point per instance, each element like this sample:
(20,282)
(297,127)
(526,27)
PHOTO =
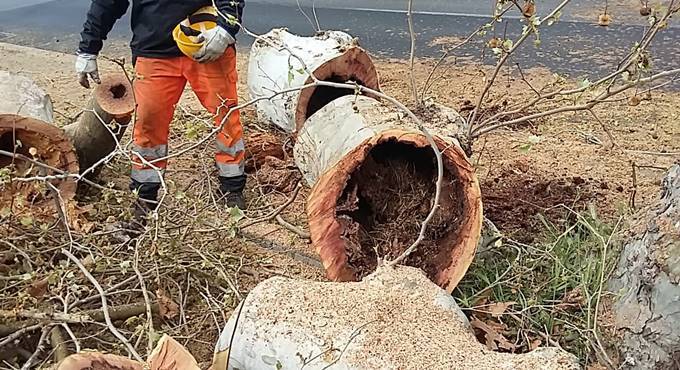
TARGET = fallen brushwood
(647,283)
(17,320)
(394,319)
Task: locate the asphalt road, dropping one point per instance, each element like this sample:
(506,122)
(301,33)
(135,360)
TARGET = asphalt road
(569,47)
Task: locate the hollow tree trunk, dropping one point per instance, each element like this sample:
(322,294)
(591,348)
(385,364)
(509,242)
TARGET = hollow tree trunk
(24,138)
(103,122)
(27,133)
(647,280)
(331,55)
(395,319)
(334,145)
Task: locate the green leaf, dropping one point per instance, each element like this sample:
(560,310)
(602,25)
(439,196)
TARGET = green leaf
(525,148)
(27,221)
(584,83)
(235,214)
(533,139)
(291,76)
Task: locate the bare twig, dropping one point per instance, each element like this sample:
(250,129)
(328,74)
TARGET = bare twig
(19,333)
(39,348)
(147,303)
(292,228)
(412,55)
(105,308)
(272,215)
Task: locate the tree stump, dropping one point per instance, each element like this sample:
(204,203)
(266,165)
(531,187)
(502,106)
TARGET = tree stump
(647,280)
(103,122)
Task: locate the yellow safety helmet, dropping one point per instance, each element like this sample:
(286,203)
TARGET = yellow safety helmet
(187,33)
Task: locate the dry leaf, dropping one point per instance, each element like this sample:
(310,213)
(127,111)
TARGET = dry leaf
(38,288)
(535,344)
(494,339)
(167,307)
(498,309)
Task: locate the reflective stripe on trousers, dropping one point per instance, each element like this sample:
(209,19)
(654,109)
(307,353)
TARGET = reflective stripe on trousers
(146,174)
(231,169)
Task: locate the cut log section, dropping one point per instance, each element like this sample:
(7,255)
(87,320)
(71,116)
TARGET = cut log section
(647,284)
(373,175)
(30,139)
(396,319)
(330,55)
(103,122)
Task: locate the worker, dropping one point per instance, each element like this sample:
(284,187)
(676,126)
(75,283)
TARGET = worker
(161,73)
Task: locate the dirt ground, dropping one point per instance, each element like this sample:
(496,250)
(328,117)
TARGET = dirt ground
(521,176)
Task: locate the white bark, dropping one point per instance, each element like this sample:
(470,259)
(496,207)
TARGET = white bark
(394,319)
(20,95)
(346,123)
(272,68)
(647,281)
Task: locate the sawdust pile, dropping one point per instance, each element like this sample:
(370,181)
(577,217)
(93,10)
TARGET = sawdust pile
(393,319)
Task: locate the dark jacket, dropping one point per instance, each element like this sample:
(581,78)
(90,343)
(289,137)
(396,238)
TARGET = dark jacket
(152,23)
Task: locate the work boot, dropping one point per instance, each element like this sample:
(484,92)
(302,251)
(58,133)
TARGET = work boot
(147,194)
(235,199)
(231,191)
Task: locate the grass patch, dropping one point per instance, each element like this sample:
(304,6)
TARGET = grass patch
(548,293)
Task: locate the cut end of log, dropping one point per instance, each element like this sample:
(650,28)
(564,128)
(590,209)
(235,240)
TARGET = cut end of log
(353,65)
(358,209)
(30,138)
(115,96)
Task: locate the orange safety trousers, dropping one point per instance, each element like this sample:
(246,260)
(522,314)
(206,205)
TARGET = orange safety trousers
(158,87)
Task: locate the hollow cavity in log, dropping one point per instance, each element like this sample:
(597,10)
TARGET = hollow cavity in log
(330,56)
(341,146)
(386,199)
(29,139)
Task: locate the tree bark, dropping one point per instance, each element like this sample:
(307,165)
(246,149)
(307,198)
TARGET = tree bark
(335,142)
(103,122)
(647,282)
(21,96)
(330,55)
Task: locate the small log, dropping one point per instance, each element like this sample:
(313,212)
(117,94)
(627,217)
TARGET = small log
(103,122)
(395,319)
(342,151)
(329,55)
(647,284)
